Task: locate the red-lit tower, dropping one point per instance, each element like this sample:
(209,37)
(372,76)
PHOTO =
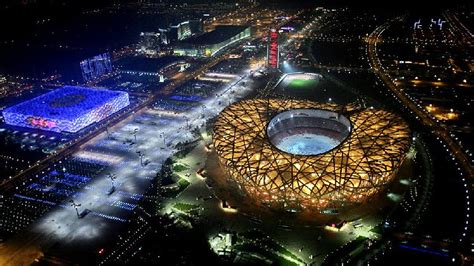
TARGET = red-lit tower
(273,50)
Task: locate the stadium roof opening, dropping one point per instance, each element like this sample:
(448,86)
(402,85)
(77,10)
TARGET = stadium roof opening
(69,109)
(308,131)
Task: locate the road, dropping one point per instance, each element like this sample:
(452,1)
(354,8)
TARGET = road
(77,143)
(440,131)
(61,229)
(464,35)
(60,224)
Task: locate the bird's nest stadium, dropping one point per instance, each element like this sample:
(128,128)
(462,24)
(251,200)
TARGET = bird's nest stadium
(287,153)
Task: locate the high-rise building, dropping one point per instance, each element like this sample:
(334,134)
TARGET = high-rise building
(95,67)
(189,28)
(211,42)
(273,49)
(181,31)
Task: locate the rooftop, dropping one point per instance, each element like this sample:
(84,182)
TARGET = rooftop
(218,35)
(67,102)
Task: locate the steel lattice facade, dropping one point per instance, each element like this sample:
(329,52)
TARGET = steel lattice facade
(359,167)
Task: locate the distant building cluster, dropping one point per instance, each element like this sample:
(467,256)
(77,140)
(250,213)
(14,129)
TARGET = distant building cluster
(189,39)
(209,43)
(153,42)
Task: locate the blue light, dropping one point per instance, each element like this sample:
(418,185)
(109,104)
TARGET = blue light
(186,98)
(96,66)
(34,199)
(424,250)
(69,109)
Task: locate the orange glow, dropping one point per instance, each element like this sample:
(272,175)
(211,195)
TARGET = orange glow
(442,114)
(352,172)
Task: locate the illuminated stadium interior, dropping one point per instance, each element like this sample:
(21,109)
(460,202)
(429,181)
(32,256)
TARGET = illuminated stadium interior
(308,131)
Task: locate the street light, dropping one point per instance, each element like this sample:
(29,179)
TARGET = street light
(134,133)
(187,122)
(112,178)
(75,205)
(140,154)
(162,135)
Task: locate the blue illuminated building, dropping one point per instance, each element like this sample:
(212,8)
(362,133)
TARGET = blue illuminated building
(96,66)
(69,109)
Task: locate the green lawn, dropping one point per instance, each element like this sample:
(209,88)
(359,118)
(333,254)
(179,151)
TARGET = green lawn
(303,84)
(185,207)
(179,167)
(264,252)
(183,184)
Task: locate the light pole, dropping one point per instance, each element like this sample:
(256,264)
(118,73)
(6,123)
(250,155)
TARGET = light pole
(75,205)
(112,178)
(187,121)
(134,133)
(203,109)
(162,135)
(140,154)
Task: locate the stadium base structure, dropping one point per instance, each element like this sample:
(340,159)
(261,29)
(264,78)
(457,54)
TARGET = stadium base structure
(67,109)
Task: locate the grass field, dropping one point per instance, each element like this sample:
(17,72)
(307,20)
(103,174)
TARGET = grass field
(303,83)
(185,207)
(179,167)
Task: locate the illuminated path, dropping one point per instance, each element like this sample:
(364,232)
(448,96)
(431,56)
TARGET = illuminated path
(77,143)
(62,229)
(441,132)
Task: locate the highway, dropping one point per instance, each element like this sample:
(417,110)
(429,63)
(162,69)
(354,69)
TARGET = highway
(464,35)
(440,131)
